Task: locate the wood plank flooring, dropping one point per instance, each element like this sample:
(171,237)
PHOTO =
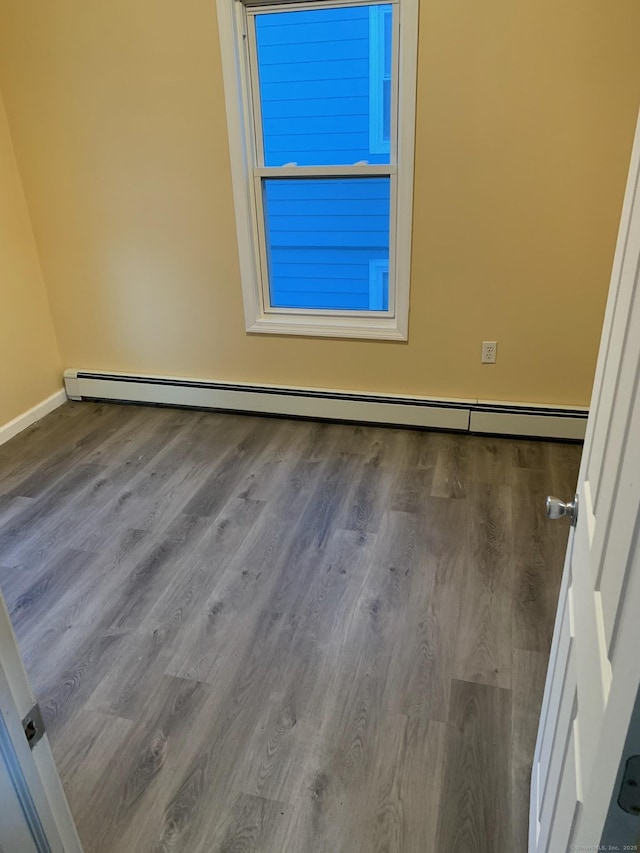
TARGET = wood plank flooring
(252,634)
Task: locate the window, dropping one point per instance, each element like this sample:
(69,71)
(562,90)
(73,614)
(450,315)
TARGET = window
(321,111)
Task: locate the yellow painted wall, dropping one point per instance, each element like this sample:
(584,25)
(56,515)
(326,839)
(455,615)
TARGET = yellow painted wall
(30,365)
(526,113)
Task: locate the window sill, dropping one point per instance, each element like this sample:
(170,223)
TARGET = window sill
(362,328)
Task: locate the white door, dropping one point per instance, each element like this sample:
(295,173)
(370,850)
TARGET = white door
(34,814)
(594,669)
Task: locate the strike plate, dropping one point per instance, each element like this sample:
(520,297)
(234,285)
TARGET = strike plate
(629,796)
(33,725)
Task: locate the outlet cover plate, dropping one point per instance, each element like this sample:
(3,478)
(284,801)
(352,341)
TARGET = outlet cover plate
(489,349)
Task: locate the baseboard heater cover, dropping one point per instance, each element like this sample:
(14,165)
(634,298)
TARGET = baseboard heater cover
(398,410)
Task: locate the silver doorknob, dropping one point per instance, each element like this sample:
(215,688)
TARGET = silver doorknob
(557,508)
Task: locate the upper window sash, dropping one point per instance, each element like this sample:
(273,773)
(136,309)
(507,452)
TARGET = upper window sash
(376,142)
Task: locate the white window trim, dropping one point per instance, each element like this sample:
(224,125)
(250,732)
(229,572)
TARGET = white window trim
(231,25)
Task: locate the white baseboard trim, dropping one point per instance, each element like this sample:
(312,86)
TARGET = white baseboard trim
(34,414)
(399,410)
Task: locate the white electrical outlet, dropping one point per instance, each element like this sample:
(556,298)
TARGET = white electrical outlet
(489,352)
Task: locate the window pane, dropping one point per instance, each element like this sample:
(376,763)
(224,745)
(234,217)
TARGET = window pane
(322,85)
(328,242)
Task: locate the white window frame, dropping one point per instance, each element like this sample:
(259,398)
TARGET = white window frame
(248,171)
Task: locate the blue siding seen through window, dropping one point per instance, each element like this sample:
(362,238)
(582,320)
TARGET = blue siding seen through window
(315,87)
(322,236)
(316,98)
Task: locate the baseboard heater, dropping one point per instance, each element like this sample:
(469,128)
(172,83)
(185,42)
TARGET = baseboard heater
(399,410)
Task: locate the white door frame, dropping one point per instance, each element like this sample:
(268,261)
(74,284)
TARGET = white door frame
(30,772)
